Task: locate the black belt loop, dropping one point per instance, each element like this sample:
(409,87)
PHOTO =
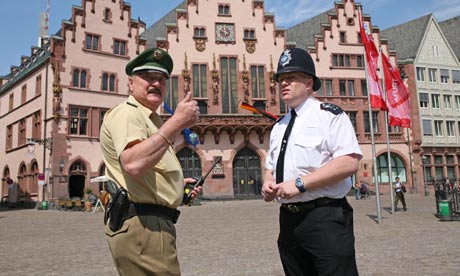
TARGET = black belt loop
(299,207)
(139,209)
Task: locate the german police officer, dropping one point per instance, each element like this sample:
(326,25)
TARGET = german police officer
(138,154)
(313,152)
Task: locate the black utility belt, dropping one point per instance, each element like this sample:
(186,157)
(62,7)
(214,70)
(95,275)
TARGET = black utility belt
(143,209)
(299,207)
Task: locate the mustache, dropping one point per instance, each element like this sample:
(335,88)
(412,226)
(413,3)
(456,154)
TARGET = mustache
(154,90)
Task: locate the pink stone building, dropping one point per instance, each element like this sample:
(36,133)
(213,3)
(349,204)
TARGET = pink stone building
(224,52)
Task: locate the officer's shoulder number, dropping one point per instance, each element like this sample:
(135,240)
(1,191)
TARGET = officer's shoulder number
(335,109)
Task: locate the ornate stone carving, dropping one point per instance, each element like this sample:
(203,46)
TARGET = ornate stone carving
(200,44)
(215,82)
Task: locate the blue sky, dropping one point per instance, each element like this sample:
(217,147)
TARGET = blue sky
(19,18)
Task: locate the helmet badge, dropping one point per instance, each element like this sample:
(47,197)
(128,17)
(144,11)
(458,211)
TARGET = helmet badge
(285,58)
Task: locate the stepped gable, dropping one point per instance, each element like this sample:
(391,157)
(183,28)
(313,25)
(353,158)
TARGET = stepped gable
(158,29)
(407,37)
(451,30)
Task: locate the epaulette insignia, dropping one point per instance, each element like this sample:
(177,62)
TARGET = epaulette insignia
(335,109)
(131,104)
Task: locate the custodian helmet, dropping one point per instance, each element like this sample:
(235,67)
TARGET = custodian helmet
(297,60)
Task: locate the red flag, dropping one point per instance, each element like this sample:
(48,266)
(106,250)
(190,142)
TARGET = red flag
(372,55)
(260,111)
(397,95)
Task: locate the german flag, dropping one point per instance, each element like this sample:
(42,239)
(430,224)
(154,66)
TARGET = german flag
(259,111)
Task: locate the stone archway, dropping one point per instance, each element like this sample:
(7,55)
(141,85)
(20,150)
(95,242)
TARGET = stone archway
(77,179)
(247,174)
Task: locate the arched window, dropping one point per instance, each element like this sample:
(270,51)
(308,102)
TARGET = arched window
(397,168)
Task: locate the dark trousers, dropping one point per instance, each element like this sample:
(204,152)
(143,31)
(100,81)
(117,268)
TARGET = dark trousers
(400,196)
(318,242)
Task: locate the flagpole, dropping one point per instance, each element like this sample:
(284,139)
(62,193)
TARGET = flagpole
(390,176)
(371,123)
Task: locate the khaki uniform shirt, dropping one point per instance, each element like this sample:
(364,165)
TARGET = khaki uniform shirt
(163,184)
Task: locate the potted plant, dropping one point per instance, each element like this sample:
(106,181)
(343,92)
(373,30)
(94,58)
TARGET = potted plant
(88,203)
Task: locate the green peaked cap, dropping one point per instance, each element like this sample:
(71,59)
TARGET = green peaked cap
(151,60)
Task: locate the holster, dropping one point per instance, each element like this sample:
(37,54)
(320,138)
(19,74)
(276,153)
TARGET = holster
(117,209)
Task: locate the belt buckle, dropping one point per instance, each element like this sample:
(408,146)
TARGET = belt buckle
(293,208)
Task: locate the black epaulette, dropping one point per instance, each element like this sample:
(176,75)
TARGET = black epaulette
(335,109)
(131,104)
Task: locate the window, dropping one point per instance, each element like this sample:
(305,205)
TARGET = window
(172,90)
(229,85)
(367,126)
(9,137)
(119,47)
(101,116)
(435,101)
(79,78)
(342,37)
(92,42)
(457,102)
(435,50)
(199,32)
(352,116)
(423,100)
(23,94)
(107,15)
(427,128)
(340,60)
(249,34)
(108,82)
(79,121)
(432,74)
(328,88)
(224,9)
(258,81)
(447,102)
(38,85)
(455,76)
(347,87)
(364,88)
(11,103)
(22,132)
(450,127)
(438,126)
(200,84)
(420,74)
(36,125)
(444,76)
(360,61)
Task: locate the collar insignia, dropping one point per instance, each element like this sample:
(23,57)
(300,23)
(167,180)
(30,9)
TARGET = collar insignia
(285,58)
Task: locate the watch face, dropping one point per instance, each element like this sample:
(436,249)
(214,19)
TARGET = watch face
(225,32)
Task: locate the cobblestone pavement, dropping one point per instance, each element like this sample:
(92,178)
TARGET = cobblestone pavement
(232,238)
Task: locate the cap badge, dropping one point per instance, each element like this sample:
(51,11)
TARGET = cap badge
(156,55)
(285,58)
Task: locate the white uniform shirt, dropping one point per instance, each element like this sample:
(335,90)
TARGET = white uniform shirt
(318,136)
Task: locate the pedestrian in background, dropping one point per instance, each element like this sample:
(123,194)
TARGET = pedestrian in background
(399,194)
(356,188)
(313,154)
(138,154)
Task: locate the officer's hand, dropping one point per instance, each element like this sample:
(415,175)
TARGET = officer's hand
(269,190)
(287,190)
(196,190)
(186,113)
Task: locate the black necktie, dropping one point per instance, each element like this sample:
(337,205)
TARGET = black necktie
(280,162)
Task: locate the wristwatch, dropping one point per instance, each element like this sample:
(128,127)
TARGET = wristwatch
(299,184)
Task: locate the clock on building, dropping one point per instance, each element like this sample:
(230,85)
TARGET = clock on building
(225,32)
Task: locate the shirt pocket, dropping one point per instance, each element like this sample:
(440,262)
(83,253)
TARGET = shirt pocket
(308,151)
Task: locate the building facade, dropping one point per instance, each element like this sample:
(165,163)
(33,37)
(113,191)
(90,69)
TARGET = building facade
(434,83)
(224,52)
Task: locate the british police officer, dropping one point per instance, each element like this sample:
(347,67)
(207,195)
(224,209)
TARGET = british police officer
(138,154)
(313,152)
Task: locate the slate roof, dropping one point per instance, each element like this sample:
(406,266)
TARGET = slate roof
(158,29)
(303,34)
(406,38)
(451,29)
